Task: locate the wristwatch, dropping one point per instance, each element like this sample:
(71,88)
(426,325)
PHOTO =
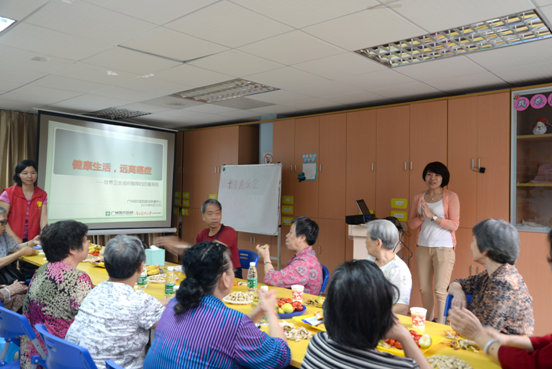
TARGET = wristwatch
(434,218)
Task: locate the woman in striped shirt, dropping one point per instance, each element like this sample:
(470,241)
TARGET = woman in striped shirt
(357,314)
(198,331)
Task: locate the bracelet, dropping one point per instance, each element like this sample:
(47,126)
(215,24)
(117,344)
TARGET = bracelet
(488,345)
(9,294)
(268,262)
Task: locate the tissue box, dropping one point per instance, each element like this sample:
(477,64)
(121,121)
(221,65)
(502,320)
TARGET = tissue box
(155,257)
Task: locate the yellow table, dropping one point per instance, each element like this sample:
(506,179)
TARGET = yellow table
(298,349)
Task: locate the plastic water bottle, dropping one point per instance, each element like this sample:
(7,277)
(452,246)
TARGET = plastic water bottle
(170,282)
(142,282)
(252,278)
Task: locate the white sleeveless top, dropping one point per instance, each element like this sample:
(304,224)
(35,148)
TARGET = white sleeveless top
(431,233)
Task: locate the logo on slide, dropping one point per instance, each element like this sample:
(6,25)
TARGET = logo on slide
(107,213)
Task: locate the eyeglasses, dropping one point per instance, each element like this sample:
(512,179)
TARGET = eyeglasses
(3,222)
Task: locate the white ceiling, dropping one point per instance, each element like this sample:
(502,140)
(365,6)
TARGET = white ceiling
(97,54)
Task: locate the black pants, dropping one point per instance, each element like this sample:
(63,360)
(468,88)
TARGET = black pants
(238,273)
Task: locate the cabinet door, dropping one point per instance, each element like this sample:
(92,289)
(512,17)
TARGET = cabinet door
(192,224)
(392,176)
(428,140)
(493,148)
(464,266)
(199,159)
(307,141)
(283,151)
(227,149)
(330,246)
(462,149)
(332,166)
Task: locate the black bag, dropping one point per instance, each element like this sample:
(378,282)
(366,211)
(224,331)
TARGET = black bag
(10,274)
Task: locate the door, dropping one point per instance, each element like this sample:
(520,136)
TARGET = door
(307,141)
(462,150)
(283,151)
(493,149)
(392,175)
(330,246)
(332,168)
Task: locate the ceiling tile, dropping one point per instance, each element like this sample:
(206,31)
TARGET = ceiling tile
(173,44)
(228,24)
(90,103)
(171,102)
(291,48)
(154,85)
(275,109)
(375,80)
(85,20)
(11,56)
(300,14)
(242,103)
(431,17)
(69,84)
(185,113)
(325,88)
(153,11)
(19,75)
(242,114)
(36,101)
(278,97)
(189,76)
(53,93)
(415,90)
(44,41)
(130,61)
(117,92)
(284,78)
(484,80)
(356,98)
(314,104)
(339,66)
(10,85)
(212,109)
(17,9)
(514,56)
(543,3)
(17,105)
(439,69)
(97,74)
(527,74)
(365,29)
(235,63)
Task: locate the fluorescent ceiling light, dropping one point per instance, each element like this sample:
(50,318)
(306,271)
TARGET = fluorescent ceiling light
(225,91)
(5,23)
(510,30)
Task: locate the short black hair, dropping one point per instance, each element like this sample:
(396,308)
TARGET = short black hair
(358,317)
(210,202)
(21,167)
(306,227)
(438,168)
(59,238)
(358,307)
(123,256)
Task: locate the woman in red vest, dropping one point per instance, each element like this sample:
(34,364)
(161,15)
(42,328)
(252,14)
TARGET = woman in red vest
(26,203)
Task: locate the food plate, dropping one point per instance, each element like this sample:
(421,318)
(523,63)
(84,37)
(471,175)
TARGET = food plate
(295,313)
(157,278)
(98,264)
(228,301)
(237,300)
(303,319)
(435,340)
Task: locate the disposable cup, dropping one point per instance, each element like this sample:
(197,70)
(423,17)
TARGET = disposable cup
(297,293)
(418,317)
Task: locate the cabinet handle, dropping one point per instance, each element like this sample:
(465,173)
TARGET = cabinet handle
(320,167)
(215,169)
(471,270)
(405,165)
(410,164)
(473,165)
(372,167)
(250,239)
(319,252)
(478,270)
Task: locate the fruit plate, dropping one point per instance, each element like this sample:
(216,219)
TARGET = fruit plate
(435,340)
(303,319)
(228,301)
(97,264)
(295,313)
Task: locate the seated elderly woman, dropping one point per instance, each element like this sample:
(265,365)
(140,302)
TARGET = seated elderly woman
(510,352)
(383,236)
(58,287)
(303,268)
(198,331)
(356,318)
(500,296)
(114,320)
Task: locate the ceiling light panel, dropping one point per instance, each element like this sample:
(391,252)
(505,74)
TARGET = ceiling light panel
(225,91)
(494,33)
(5,23)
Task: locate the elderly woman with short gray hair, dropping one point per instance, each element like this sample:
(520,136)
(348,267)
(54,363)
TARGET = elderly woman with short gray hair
(382,238)
(114,320)
(501,298)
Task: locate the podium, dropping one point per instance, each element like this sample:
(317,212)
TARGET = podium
(357,233)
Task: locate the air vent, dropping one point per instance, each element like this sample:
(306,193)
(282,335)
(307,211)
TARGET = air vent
(117,114)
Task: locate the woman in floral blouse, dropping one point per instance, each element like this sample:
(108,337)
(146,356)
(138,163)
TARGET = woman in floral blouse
(501,299)
(58,287)
(303,268)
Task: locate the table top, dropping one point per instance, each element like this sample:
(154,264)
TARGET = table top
(298,349)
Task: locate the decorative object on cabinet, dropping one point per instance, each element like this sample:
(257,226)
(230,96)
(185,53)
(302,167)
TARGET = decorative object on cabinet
(541,126)
(309,172)
(301,177)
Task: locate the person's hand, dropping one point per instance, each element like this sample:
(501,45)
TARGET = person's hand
(17,288)
(465,323)
(426,211)
(263,251)
(398,331)
(459,301)
(35,241)
(28,251)
(167,241)
(267,301)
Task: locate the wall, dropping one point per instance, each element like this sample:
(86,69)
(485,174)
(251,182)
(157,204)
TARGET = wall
(265,139)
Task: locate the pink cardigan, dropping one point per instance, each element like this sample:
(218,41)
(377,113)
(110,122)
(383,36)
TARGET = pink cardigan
(451,221)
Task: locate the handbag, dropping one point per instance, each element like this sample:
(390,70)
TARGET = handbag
(10,274)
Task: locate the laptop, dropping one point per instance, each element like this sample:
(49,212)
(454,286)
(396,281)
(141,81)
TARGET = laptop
(364,209)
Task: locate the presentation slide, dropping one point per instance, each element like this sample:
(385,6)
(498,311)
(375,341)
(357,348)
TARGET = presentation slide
(106,175)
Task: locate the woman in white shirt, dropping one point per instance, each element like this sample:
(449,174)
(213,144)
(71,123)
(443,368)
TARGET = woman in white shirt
(436,216)
(382,238)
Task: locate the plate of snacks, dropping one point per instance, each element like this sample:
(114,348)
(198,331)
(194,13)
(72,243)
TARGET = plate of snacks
(424,342)
(294,333)
(239,298)
(314,320)
(287,309)
(91,259)
(442,361)
(158,278)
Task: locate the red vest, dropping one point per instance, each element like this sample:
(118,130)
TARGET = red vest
(18,211)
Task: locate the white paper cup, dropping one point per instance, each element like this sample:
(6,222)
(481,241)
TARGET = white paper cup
(297,293)
(264,288)
(418,317)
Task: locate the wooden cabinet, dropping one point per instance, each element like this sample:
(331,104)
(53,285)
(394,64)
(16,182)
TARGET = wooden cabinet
(192,224)
(307,141)
(392,173)
(330,246)
(332,171)
(283,151)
